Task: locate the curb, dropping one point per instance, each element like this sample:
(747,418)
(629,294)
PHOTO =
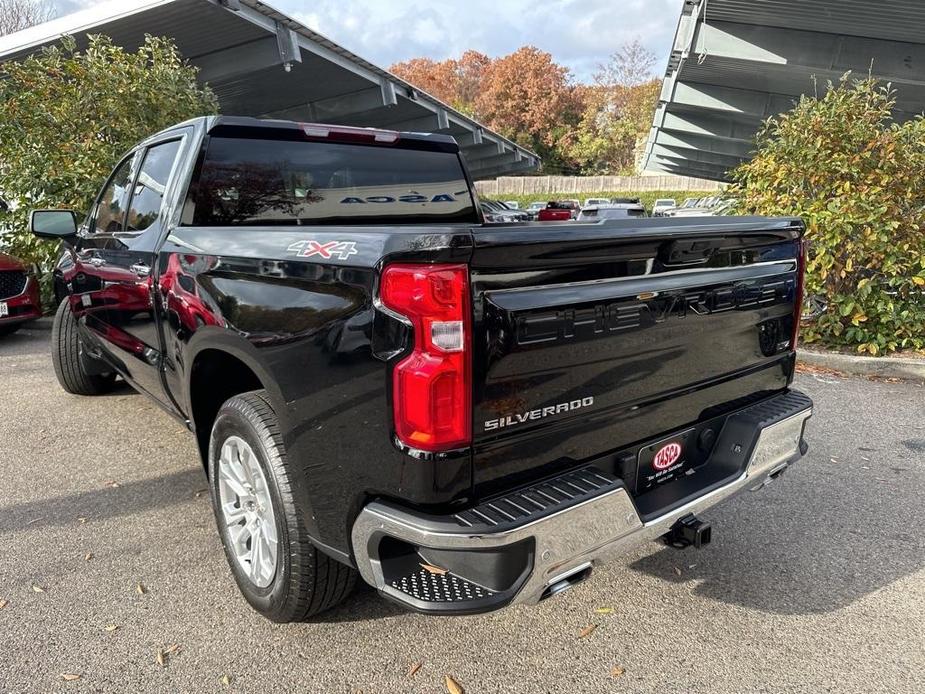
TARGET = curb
(904,368)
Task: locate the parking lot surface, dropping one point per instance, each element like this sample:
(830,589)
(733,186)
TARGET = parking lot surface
(109,556)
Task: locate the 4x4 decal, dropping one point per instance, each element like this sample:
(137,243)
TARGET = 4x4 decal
(341,250)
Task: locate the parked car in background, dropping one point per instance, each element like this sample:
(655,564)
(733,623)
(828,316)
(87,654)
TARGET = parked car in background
(495,211)
(512,204)
(533,209)
(612,211)
(662,205)
(559,211)
(702,207)
(595,202)
(19,294)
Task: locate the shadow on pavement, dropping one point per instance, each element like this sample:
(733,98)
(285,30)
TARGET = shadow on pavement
(362,605)
(109,502)
(785,556)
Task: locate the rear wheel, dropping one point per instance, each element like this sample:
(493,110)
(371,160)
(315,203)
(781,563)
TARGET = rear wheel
(281,574)
(69,359)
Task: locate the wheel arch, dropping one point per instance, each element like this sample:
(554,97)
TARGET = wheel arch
(221,367)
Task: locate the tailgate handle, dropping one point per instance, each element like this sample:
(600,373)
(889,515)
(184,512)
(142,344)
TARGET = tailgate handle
(688,251)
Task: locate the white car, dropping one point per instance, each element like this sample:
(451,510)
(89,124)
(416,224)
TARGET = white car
(662,205)
(595,202)
(512,204)
(619,210)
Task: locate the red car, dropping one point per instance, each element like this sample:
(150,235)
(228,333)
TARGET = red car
(19,294)
(559,211)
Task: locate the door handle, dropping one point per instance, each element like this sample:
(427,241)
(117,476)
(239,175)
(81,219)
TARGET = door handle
(140,269)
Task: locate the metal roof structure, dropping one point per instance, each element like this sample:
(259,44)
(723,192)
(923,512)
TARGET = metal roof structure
(735,63)
(260,62)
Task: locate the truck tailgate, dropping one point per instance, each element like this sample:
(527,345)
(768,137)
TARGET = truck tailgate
(592,337)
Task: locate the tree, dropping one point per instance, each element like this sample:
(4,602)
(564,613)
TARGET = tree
(529,98)
(629,66)
(618,111)
(67,116)
(456,82)
(855,177)
(16,15)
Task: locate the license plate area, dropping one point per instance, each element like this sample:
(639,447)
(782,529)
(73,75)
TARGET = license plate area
(668,459)
(4,309)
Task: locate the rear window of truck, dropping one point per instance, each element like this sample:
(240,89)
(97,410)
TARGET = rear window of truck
(247,181)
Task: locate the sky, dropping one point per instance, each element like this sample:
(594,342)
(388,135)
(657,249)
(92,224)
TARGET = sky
(579,34)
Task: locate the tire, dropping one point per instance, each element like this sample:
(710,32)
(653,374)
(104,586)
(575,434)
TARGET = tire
(9,329)
(68,358)
(304,581)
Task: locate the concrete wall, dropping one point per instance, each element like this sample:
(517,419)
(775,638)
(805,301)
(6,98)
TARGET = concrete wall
(526,185)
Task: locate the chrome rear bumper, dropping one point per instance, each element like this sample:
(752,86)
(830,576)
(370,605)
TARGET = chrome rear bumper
(600,525)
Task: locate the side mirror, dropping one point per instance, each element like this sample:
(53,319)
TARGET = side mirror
(53,224)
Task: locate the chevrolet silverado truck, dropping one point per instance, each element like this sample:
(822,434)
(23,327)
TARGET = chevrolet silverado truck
(464,415)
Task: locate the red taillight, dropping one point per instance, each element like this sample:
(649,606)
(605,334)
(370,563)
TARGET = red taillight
(798,296)
(431,387)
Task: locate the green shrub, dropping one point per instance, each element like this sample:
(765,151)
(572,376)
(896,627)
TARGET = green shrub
(856,178)
(67,116)
(647,198)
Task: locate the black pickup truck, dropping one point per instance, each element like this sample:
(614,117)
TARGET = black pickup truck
(465,415)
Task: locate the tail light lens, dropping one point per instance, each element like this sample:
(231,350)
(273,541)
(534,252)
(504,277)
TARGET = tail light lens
(798,296)
(431,387)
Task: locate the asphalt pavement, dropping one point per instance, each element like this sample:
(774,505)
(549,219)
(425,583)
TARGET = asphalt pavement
(109,557)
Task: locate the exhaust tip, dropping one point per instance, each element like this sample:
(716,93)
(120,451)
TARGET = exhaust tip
(563,583)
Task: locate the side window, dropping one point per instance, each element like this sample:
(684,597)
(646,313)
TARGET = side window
(110,211)
(151,185)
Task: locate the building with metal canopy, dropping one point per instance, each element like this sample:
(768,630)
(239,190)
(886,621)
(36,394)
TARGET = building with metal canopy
(259,62)
(734,63)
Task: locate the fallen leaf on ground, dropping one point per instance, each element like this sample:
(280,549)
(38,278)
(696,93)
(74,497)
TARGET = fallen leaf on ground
(81,520)
(617,671)
(452,686)
(604,610)
(172,649)
(161,658)
(833,460)
(112,484)
(3,603)
(226,680)
(677,570)
(414,668)
(587,631)
(37,589)
(434,569)
(89,556)
(140,589)
(69,676)
(111,627)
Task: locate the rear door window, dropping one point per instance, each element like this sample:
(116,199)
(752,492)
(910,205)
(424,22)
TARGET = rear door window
(245,181)
(151,184)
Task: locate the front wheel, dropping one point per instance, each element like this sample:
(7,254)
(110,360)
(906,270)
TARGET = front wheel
(281,574)
(69,359)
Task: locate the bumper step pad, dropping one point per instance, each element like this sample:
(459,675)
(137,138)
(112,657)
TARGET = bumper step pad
(538,500)
(431,587)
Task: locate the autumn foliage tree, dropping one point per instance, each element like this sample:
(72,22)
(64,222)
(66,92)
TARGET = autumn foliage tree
(529,98)
(618,110)
(456,82)
(525,96)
